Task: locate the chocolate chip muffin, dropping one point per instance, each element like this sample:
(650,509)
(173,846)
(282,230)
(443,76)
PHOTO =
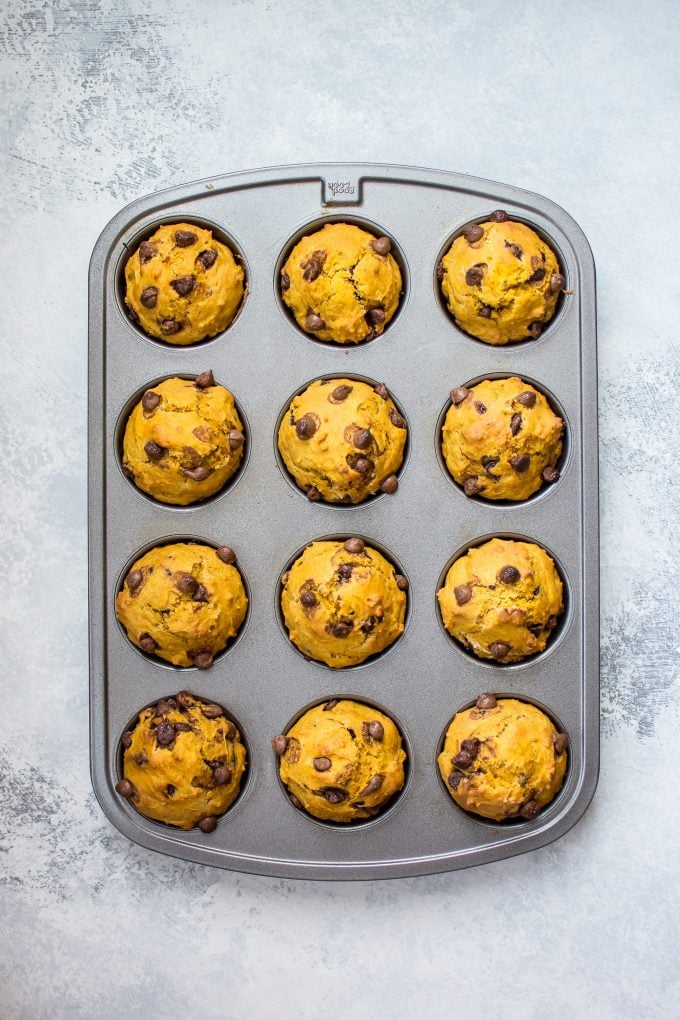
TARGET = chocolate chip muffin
(501,439)
(503,759)
(183,763)
(343,602)
(501,281)
(501,600)
(182,285)
(183,440)
(343,440)
(183,602)
(342,761)
(341,283)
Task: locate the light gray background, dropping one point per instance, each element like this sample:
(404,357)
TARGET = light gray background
(106,101)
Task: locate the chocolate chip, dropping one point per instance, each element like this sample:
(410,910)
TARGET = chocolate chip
(295,802)
(455,780)
(530,810)
(129,473)
(333,794)
(183,286)
(203,660)
(485,701)
(459,394)
(147,250)
(508,575)
(516,424)
(147,643)
(279,745)
(150,401)
(480,408)
(182,727)
(520,462)
(285,577)
(339,394)
(134,579)
(557,283)
(535,329)
(184,238)
(170,326)
(125,788)
(186,584)
(341,629)
(471,486)
(550,474)
(373,784)
(537,276)
(207,258)
(201,594)
(226,554)
(362,439)
(314,323)
(308,599)
(462,760)
(153,450)
(236,439)
(489,463)
(345,571)
(499,216)
(204,380)
(184,699)
(313,494)
(375,316)
(330,705)
(374,729)
(462,594)
(474,275)
(526,398)
(126,740)
(222,775)
(382,245)
(397,420)
(141,758)
(305,427)
(133,315)
(149,297)
(208,824)
(485,311)
(515,249)
(381,390)
(163,707)
(552,622)
(285,281)
(473,233)
(390,485)
(197,474)
(560,742)
(499,649)
(401,582)
(368,626)
(364,465)
(312,269)
(165,733)
(321,764)
(170,790)
(440,271)
(354,545)
(471,746)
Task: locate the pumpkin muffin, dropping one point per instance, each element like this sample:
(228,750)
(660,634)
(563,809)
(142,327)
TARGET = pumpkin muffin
(501,600)
(182,285)
(343,440)
(183,440)
(342,761)
(183,602)
(341,283)
(503,759)
(501,281)
(183,763)
(501,439)
(343,602)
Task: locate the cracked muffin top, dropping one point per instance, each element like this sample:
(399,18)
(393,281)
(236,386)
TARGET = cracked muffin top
(343,440)
(501,439)
(183,602)
(183,440)
(183,762)
(503,759)
(502,599)
(341,283)
(343,602)
(501,281)
(342,761)
(182,285)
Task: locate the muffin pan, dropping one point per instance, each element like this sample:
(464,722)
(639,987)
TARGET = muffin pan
(263,358)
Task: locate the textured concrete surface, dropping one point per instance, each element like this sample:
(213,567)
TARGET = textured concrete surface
(106,100)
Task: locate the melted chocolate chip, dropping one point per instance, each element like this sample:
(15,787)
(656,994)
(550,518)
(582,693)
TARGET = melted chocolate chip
(537,276)
(471,746)
(373,730)
(150,401)
(485,311)
(480,408)
(165,733)
(197,474)
(520,462)
(126,740)
(375,316)
(201,594)
(308,599)
(186,584)
(134,579)
(462,760)
(345,571)
(516,424)
(153,450)
(473,233)
(557,283)
(170,326)
(207,258)
(147,250)
(285,282)
(472,486)
(339,394)
(147,643)
(314,323)
(313,494)
(459,394)
(149,297)
(333,794)
(462,594)
(401,582)
(222,775)
(535,329)
(279,745)
(373,784)
(515,249)
(474,275)
(530,810)
(397,420)
(185,238)
(526,398)
(203,660)
(381,390)
(455,780)
(330,705)
(342,629)
(312,267)
(508,575)
(141,758)
(184,285)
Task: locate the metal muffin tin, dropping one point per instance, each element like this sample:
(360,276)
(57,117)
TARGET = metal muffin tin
(264,359)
